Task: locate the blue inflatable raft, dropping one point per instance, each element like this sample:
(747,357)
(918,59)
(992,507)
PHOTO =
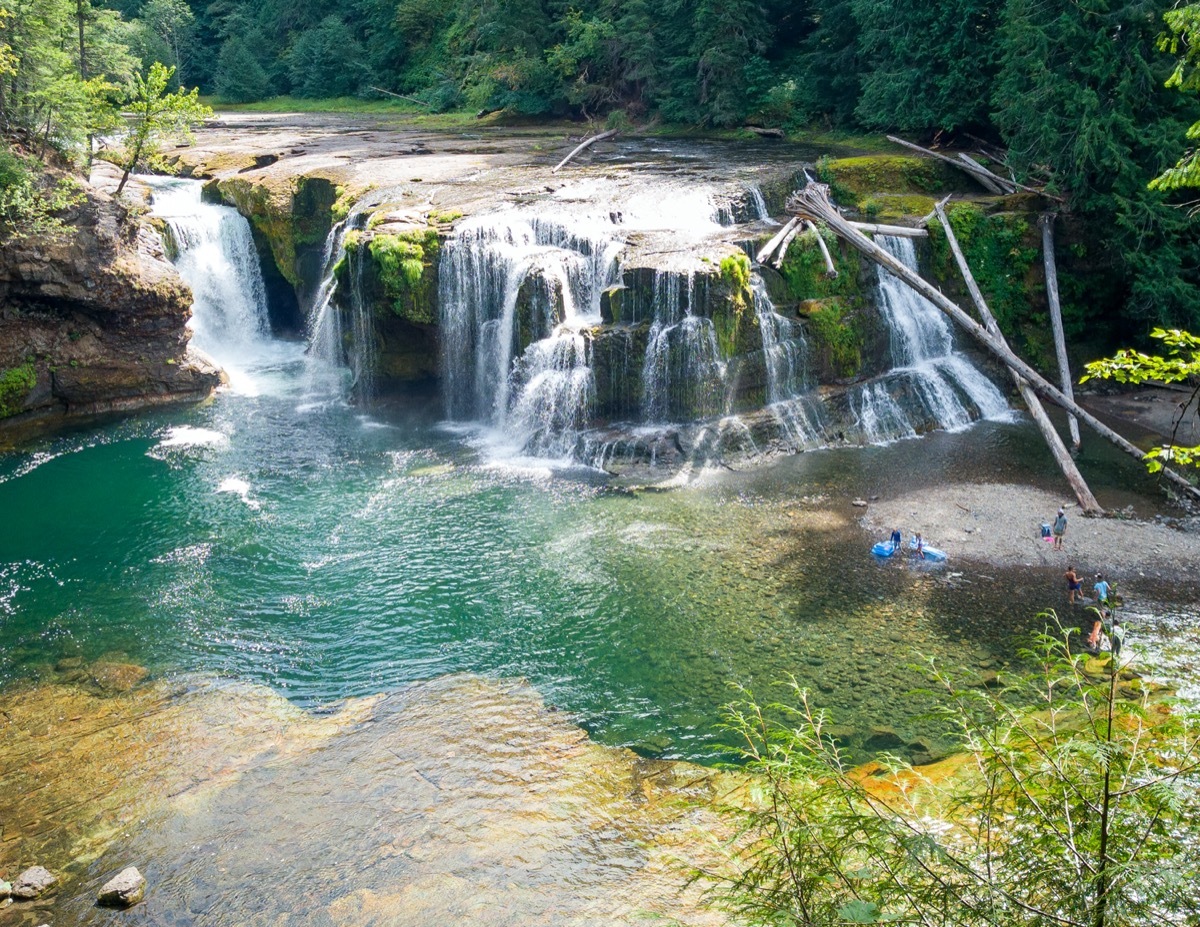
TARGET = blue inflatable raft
(884,549)
(932,554)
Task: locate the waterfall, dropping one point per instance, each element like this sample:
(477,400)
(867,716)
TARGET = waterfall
(215,254)
(515,292)
(930,385)
(683,374)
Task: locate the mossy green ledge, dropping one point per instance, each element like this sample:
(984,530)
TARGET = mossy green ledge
(293,216)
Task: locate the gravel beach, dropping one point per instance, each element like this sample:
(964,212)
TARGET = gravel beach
(1000,524)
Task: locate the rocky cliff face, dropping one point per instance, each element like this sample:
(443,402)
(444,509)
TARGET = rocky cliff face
(94,322)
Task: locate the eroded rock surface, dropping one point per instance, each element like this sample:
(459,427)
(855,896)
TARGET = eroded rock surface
(94,321)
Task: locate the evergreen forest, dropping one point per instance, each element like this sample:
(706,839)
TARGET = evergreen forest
(1084,98)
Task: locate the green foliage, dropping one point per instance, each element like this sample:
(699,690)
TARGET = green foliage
(1076,806)
(930,63)
(1183,41)
(1181,364)
(32,199)
(156,114)
(15,384)
(735,271)
(240,77)
(407,266)
(1000,253)
(326,61)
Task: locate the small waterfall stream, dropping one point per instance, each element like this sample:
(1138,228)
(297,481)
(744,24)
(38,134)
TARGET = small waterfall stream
(215,254)
(931,385)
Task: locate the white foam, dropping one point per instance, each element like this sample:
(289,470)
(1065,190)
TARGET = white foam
(190,436)
(239,488)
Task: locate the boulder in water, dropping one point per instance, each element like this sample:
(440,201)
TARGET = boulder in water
(123,890)
(32,882)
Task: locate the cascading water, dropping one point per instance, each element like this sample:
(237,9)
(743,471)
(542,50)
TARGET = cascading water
(215,254)
(516,292)
(683,374)
(930,384)
(785,362)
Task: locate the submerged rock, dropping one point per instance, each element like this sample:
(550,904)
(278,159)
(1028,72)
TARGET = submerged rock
(117,677)
(5,890)
(123,890)
(32,882)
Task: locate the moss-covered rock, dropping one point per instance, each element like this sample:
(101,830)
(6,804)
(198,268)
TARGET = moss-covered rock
(406,265)
(853,179)
(294,215)
(15,384)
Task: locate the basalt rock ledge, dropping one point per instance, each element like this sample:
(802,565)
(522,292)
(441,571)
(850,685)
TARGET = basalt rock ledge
(93,321)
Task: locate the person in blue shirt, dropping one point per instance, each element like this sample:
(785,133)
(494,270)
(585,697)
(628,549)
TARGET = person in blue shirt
(896,539)
(1101,588)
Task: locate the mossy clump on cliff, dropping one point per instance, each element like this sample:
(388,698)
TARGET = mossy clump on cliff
(292,215)
(1001,249)
(729,311)
(851,180)
(834,324)
(832,305)
(15,384)
(407,268)
(803,269)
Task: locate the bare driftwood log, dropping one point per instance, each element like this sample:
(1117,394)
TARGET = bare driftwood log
(766,133)
(776,240)
(583,146)
(1066,463)
(813,203)
(401,96)
(978,171)
(896,231)
(933,215)
(984,176)
(787,240)
(1060,342)
(830,268)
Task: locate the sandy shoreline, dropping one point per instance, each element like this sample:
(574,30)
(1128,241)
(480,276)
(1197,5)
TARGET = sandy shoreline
(999,524)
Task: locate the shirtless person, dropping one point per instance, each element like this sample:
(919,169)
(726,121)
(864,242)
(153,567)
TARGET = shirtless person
(1074,584)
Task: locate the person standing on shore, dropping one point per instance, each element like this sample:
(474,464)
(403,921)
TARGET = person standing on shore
(1101,588)
(896,539)
(1060,528)
(1117,637)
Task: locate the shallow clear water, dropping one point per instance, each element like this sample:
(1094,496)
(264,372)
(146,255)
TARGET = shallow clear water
(288,539)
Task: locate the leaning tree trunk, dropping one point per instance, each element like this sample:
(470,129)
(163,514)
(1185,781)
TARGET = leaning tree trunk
(813,203)
(1079,486)
(1056,322)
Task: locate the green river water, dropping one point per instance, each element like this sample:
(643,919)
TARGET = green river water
(277,541)
(294,541)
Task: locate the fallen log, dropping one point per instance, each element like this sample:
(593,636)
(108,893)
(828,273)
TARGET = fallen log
(976,170)
(1046,221)
(787,240)
(984,176)
(401,96)
(933,215)
(766,133)
(896,231)
(776,240)
(813,203)
(586,143)
(1083,494)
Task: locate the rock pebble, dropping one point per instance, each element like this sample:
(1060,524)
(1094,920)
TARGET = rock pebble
(123,890)
(5,890)
(31,883)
